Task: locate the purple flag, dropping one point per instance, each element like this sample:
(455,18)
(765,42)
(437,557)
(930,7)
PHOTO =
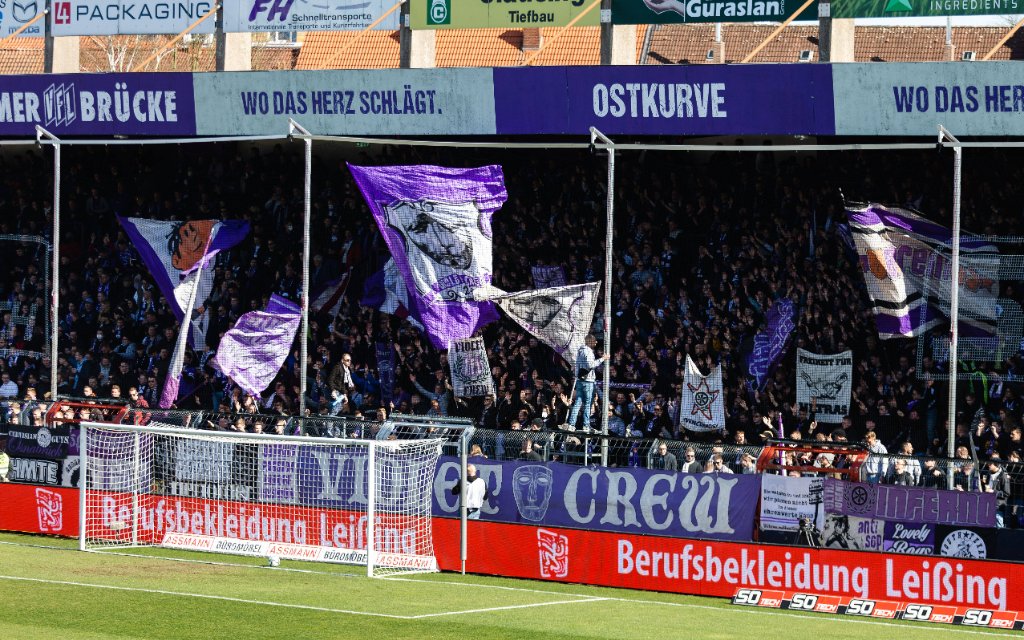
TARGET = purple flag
(907,269)
(386,292)
(252,352)
(172,250)
(437,223)
(770,342)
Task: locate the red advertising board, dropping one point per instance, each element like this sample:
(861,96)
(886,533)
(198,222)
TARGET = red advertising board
(720,568)
(568,555)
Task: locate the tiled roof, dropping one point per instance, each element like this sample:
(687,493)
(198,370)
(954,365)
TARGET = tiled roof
(375,50)
(689,44)
(456,48)
(21,55)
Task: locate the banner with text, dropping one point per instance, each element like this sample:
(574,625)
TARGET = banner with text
(785,501)
(350,102)
(715,506)
(486,14)
(907,99)
(915,8)
(471,373)
(98,104)
(665,100)
(910,504)
(128,17)
(306,15)
(827,381)
(689,11)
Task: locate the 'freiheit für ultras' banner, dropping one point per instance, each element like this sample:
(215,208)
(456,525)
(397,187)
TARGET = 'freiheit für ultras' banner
(827,380)
(483,14)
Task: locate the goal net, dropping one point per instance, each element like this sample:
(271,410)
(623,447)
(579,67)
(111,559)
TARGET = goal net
(362,502)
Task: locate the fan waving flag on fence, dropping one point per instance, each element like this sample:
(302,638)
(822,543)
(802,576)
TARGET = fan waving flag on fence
(907,267)
(770,342)
(560,317)
(174,250)
(252,352)
(437,223)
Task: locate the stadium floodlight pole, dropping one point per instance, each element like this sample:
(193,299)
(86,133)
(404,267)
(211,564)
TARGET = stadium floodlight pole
(954,288)
(295,130)
(55,256)
(609,214)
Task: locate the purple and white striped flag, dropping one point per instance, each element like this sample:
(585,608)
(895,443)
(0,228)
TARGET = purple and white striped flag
(907,269)
(437,223)
(252,352)
(770,342)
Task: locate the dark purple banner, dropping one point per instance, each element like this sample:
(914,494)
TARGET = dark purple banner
(666,100)
(910,504)
(98,104)
(682,505)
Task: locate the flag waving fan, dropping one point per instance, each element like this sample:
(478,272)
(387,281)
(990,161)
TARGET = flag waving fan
(174,250)
(560,317)
(437,223)
(252,352)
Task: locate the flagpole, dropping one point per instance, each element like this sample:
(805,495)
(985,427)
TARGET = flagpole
(595,136)
(954,292)
(55,256)
(294,127)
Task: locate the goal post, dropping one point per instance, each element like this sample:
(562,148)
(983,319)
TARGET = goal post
(348,501)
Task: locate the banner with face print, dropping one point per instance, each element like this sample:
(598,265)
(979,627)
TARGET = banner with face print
(437,223)
(559,317)
(174,250)
(702,407)
(471,373)
(828,381)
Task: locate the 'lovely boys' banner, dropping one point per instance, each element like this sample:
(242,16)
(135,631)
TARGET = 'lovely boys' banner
(910,504)
(665,100)
(715,506)
(669,11)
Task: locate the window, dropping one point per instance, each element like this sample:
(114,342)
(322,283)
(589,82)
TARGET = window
(806,55)
(968,56)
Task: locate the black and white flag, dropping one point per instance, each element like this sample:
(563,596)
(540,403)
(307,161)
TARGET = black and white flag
(703,403)
(829,380)
(560,317)
(471,373)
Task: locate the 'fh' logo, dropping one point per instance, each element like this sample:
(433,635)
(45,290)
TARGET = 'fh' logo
(554,554)
(273,7)
(440,12)
(49,507)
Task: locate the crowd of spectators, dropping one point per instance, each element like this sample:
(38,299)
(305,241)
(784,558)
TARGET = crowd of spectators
(704,243)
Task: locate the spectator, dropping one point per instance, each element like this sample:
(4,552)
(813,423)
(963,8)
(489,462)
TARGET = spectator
(664,459)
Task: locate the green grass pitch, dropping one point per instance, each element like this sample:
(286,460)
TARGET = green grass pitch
(51,590)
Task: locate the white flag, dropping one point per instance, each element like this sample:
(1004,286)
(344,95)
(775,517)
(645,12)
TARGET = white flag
(703,405)
(471,373)
(829,379)
(560,317)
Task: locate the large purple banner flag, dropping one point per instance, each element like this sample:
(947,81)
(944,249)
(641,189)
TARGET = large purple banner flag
(437,223)
(906,261)
(770,342)
(252,352)
(909,504)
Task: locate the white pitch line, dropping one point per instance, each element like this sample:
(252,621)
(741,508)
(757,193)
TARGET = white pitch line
(506,608)
(205,597)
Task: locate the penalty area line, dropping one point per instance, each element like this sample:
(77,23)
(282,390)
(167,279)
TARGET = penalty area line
(505,608)
(204,596)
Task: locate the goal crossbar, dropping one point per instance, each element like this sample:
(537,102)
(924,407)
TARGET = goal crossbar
(350,501)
